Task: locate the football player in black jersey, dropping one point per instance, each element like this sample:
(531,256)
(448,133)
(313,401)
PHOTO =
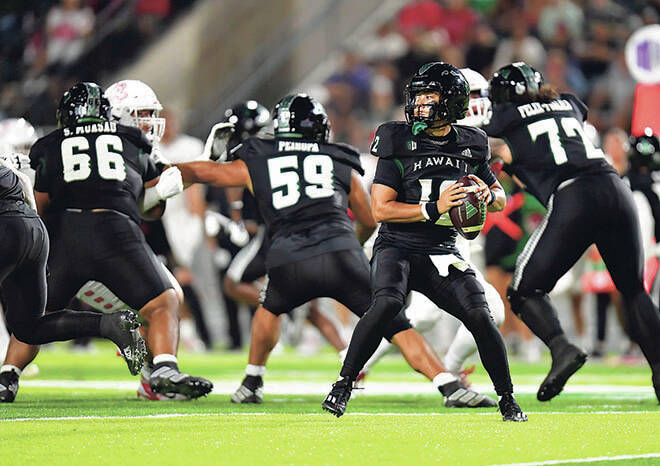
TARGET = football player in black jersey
(24,251)
(303,186)
(587,203)
(94,179)
(414,188)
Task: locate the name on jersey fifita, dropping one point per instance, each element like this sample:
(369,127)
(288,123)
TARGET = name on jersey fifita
(106,127)
(535,108)
(288,146)
(443,160)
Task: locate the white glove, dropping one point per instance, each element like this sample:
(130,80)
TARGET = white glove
(157,157)
(169,184)
(17,160)
(215,147)
(238,234)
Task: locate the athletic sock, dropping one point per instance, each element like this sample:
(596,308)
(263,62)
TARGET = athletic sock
(254,370)
(441,380)
(11,368)
(165,360)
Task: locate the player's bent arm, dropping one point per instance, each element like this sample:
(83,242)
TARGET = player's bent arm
(151,206)
(359,203)
(42,200)
(233,173)
(386,208)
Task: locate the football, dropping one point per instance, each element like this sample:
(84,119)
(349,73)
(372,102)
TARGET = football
(469,217)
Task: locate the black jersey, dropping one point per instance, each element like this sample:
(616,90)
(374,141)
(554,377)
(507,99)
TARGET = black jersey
(419,168)
(301,188)
(93,166)
(548,143)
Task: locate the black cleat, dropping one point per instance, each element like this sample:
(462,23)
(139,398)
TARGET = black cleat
(168,381)
(336,401)
(8,386)
(510,409)
(457,395)
(565,363)
(122,328)
(250,391)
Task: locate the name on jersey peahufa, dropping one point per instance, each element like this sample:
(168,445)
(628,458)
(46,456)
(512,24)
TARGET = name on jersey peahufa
(536,108)
(289,146)
(106,127)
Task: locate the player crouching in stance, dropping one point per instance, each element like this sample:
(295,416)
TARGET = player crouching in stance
(94,178)
(24,249)
(303,186)
(414,189)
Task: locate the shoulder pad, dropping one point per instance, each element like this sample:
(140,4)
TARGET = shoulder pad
(387,136)
(579,106)
(136,136)
(473,141)
(248,148)
(503,116)
(347,154)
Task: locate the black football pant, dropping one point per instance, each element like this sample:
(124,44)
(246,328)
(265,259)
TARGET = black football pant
(23,256)
(590,209)
(394,273)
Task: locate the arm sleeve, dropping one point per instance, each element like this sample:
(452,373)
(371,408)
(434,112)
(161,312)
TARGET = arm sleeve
(388,173)
(38,163)
(485,173)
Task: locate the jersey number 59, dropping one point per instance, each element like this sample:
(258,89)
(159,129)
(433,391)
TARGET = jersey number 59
(285,180)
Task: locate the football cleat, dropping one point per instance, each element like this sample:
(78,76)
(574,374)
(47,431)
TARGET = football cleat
(8,386)
(336,401)
(168,381)
(464,374)
(250,391)
(510,409)
(457,395)
(122,328)
(145,392)
(565,363)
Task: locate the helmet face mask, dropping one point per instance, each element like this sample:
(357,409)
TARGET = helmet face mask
(82,103)
(300,116)
(516,83)
(479,106)
(136,104)
(452,89)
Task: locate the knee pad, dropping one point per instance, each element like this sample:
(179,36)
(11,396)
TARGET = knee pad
(388,309)
(517,298)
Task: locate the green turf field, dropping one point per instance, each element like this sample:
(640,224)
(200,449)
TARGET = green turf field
(82,409)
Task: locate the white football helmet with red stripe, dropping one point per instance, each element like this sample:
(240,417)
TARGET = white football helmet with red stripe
(479,107)
(136,104)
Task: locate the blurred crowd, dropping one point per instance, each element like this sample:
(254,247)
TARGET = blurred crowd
(47,45)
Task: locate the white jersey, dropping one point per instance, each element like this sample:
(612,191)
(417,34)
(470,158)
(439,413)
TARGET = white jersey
(184,229)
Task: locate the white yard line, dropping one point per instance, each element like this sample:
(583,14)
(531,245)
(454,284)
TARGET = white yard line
(223,387)
(586,460)
(349,414)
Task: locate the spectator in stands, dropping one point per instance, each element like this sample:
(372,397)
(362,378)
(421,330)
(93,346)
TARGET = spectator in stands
(151,14)
(560,21)
(481,50)
(563,75)
(419,15)
(67,27)
(611,99)
(521,46)
(459,21)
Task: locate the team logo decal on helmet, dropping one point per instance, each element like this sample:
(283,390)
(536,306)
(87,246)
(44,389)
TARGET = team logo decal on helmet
(453,91)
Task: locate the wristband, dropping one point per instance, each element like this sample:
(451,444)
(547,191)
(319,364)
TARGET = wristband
(430,211)
(492,196)
(236,205)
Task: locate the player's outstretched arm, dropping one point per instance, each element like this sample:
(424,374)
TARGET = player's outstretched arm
(233,173)
(359,203)
(386,208)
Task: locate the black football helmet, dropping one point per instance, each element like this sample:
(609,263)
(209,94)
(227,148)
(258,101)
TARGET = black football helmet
(517,83)
(83,103)
(454,92)
(248,119)
(644,152)
(300,116)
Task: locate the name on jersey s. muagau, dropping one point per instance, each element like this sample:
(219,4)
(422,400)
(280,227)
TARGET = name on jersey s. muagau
(105,127)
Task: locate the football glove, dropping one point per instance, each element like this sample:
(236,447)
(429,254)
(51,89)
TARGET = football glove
(215,147)
(17,160)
